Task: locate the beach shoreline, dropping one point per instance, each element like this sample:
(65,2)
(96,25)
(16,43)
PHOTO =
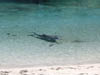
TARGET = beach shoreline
(85,69)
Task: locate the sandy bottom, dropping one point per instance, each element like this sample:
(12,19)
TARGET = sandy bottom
(78,29)
(90,69)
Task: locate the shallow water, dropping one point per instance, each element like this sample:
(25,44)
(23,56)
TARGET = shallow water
(77,27)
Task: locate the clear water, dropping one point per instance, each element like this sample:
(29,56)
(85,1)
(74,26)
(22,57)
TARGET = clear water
(70,23)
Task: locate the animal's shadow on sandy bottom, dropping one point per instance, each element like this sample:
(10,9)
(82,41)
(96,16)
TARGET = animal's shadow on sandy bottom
(51,39)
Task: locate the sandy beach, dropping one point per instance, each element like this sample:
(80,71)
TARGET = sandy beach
(89,69)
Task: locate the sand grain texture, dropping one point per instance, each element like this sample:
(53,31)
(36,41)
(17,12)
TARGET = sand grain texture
(90,69)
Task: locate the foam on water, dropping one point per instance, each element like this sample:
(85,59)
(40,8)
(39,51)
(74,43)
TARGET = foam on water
(78,28)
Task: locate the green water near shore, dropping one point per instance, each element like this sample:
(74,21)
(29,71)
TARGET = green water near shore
(77,27)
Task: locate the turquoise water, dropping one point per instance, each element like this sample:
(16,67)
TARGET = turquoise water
(69,23)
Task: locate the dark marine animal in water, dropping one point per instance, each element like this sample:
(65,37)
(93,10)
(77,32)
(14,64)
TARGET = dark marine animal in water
(45,37)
